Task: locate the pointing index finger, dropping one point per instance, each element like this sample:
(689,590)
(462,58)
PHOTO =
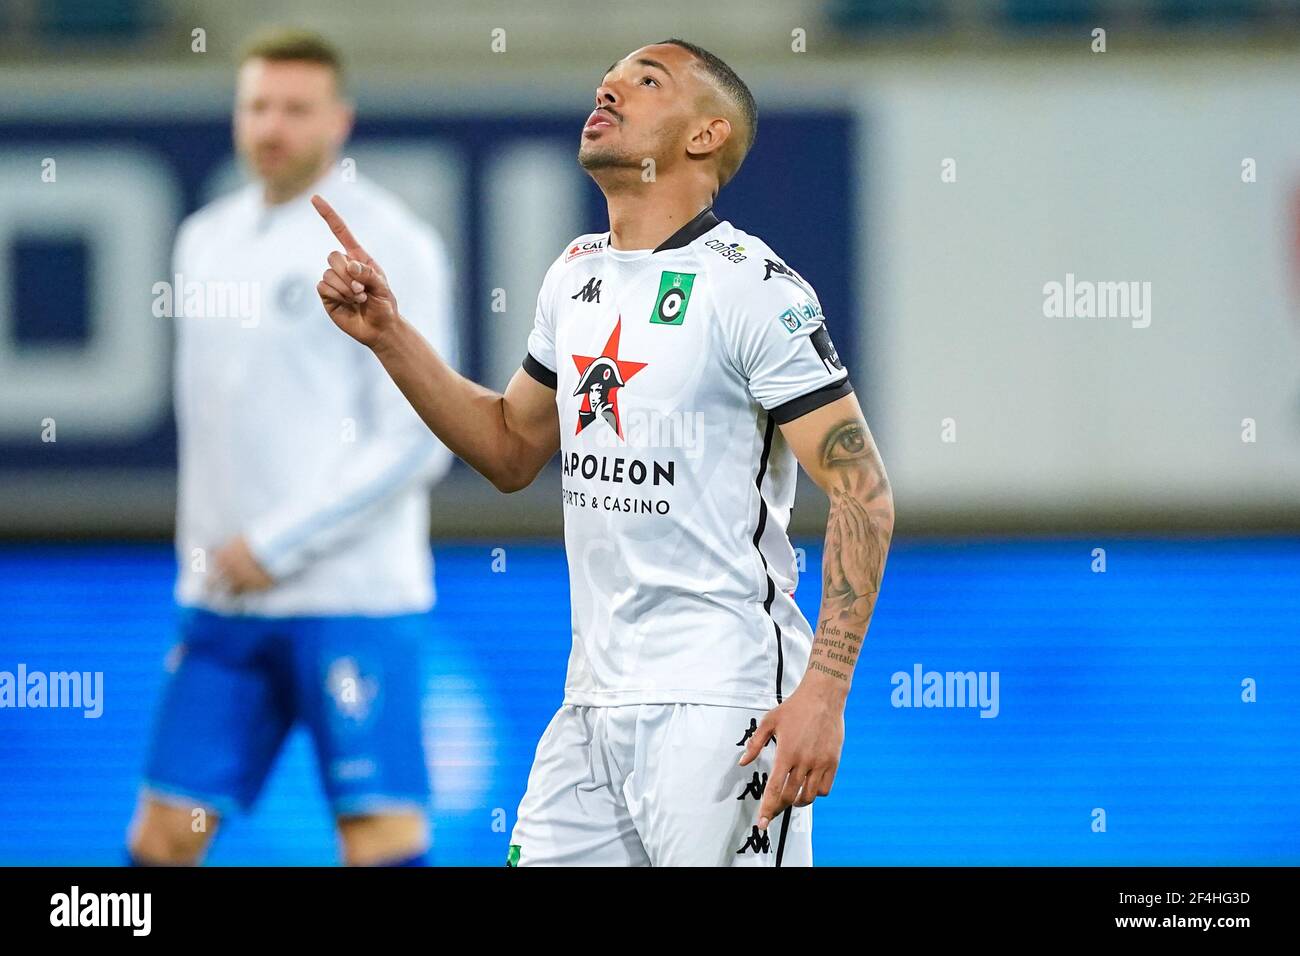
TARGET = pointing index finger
(339,228)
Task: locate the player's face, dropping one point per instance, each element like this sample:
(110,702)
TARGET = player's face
(289,121)
(645,105)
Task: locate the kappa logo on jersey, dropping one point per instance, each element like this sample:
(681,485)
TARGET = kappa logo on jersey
(733,252)
(579,249)
(589,292)
(599,379)
(674,296)
(772,267)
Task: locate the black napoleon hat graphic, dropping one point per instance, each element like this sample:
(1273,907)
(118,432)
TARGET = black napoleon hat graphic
(600,378)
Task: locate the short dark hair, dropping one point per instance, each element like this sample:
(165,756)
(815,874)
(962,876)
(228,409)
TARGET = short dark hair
(732,86)
(287,44)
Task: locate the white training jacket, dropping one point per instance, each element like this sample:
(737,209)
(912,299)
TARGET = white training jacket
(291,433)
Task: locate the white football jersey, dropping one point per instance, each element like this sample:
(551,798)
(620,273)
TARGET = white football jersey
(290,433)
(672,369)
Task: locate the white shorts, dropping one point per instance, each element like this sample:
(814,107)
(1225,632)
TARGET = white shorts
(653,785)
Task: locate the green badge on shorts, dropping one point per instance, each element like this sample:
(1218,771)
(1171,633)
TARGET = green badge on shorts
(512,858)
(674,296)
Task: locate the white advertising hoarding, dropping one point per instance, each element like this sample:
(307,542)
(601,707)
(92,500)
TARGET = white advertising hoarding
(1082,283)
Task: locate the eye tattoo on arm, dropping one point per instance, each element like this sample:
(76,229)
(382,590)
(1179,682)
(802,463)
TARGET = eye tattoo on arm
(858,531)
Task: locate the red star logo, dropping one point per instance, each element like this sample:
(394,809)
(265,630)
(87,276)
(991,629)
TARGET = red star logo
(609,375)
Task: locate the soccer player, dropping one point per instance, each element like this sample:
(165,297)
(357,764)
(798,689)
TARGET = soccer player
(303,518)
(680,367)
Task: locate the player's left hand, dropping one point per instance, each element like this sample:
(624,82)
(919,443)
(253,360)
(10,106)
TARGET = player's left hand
(237,569)
(809,730)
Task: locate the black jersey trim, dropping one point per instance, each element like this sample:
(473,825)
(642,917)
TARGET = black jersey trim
(697,227)
(768,435)
(796,407)
(539,371)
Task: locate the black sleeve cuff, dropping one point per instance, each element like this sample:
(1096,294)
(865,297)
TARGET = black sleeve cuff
(797,407)
(539,371)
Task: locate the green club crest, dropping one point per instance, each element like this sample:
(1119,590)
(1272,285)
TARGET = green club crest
(674,296)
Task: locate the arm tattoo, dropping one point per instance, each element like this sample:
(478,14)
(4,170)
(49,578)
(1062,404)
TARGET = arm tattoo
(858,531)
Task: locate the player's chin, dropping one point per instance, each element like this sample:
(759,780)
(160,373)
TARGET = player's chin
(271,166)
(283,172)
(595,155)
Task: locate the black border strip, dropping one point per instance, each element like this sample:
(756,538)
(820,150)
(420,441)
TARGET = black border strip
(539,371)
(797,407)
(1034,902)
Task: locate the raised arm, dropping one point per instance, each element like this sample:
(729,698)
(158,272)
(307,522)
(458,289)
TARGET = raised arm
(506,438)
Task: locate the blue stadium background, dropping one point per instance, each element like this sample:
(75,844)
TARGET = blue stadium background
(1118,690)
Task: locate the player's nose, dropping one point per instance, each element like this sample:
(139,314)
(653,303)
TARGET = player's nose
(267,130)
(606,96)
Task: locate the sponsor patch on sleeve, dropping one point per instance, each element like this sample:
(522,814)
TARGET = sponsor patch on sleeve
(821,340)
(795,316)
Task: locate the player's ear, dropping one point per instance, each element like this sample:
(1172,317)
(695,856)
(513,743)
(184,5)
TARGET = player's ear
(709,138)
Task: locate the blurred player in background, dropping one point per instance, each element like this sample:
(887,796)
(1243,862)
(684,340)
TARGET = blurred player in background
(303,527)
(689,650)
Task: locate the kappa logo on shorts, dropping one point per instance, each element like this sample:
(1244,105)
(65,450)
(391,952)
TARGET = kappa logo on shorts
(754,788)
(750,731)
(758,842)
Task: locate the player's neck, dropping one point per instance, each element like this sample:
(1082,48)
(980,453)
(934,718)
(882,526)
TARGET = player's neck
(642,218)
